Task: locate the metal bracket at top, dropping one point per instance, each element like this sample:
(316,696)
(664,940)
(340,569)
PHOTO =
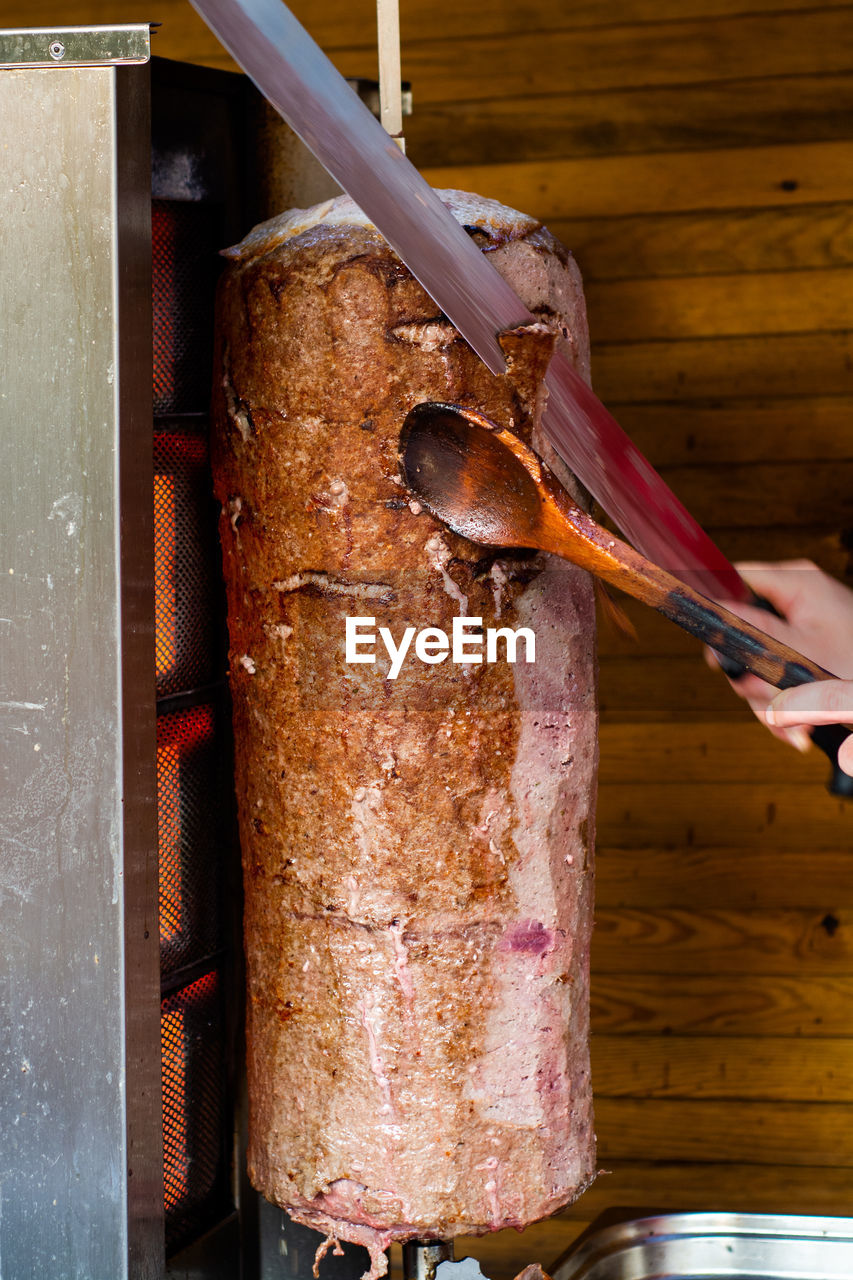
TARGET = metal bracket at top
(75,46)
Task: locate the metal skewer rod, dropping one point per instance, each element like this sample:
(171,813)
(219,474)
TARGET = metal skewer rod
(421,1257)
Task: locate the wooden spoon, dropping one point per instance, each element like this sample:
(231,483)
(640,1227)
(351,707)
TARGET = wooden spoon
(489,487)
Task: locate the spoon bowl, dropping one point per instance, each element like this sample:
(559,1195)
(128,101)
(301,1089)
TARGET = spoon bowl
(449,458)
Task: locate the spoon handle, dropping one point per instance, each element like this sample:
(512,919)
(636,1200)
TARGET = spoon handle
(775,662)
(576,537)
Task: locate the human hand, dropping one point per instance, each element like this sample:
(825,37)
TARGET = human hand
(818,622)
(824,702)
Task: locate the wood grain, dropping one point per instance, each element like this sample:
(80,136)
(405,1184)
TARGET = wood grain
(813,301)
(738,431)
(738,1068)
(673,182)
(829,547)
(506,1253)
(605,57)
(626,121)
(347,23)
(654,689)
(764,494)
(798,365)
(678,941)
(796,1004)
(639,246)
(734,814)
(655,637)
(694,754)
(769,1133)
(691,1187)
(719,878)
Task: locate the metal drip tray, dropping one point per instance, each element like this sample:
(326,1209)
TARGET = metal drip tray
(714,1246)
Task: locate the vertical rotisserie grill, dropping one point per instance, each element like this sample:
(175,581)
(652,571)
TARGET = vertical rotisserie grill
(195,830)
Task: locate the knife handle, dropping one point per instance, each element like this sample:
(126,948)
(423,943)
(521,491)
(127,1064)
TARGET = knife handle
(828,737)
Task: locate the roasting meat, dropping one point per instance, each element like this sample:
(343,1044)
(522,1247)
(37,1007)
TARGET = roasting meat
(418,850)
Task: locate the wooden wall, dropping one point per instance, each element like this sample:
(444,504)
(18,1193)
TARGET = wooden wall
(697,155)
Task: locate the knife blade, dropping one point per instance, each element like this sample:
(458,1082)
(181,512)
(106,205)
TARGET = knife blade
(293,73)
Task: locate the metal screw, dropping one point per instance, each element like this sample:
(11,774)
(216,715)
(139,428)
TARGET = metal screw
(57,51)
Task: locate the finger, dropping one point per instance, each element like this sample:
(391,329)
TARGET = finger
(748,686)
(782,584)
(778,628)
(810,642)
(758,695)
(797,736)
(824,702)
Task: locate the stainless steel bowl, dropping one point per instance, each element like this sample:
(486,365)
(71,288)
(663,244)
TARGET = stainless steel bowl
(714,1246)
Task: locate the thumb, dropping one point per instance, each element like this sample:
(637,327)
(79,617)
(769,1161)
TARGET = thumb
(822,702)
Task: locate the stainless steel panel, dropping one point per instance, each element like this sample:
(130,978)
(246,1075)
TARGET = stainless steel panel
(80,1186)
(75,46)
(713,1246)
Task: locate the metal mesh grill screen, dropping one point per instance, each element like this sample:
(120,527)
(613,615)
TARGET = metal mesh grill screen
(185,240)
(190,836)
(185,591)
(193,1048)
(194,830)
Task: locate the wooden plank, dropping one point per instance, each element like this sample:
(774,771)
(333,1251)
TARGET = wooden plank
(716,243)
(735,1068)
(747,177)
(627,121)
(607,57)
(831,548)
(692,754)
(712,1004)
(797,365)
(712,306)
(348,22)
(677,941)
(532,56)
(743,1132)
(423,18)
(689,1187)
(725,814)
(653,635)
(764,494)
(673,687)
(723,878)
(726,431)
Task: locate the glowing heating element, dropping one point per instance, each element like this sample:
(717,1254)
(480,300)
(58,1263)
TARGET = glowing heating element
(190,1076)
(165,574)
(188,648)
(179,736)
(174,1073)
(185,628)
(169,841)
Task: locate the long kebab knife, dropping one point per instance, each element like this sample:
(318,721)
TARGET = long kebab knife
(293,73)
(302,84)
